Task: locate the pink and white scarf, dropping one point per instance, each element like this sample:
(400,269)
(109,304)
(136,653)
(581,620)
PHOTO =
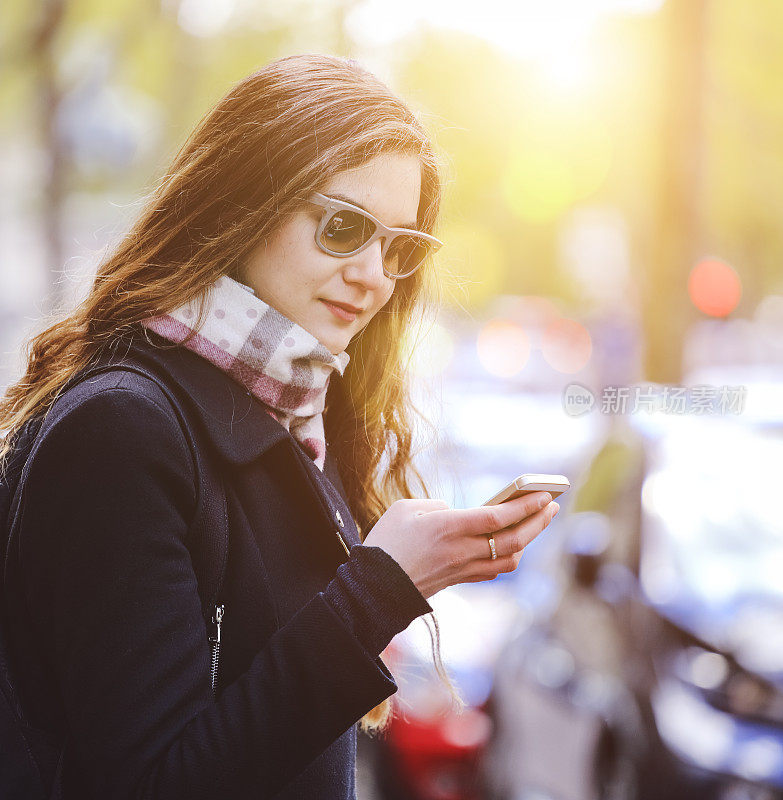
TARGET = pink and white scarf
(279,362)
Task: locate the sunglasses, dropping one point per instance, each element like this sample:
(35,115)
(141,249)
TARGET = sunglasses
(346,229)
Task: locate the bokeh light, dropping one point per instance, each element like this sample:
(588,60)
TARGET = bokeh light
(566,345)
(538,186)
(531,311)
(503,347)
(714,287)
(550,169)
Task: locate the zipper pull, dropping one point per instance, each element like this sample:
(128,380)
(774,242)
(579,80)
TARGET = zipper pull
(217,618)
(342,541)
(340,536)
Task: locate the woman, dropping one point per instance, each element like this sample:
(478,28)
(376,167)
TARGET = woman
(263,278)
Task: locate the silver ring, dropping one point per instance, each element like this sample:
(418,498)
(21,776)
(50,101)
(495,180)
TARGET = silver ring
(492,547)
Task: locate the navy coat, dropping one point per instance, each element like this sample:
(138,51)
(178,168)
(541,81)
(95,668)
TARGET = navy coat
(105,615)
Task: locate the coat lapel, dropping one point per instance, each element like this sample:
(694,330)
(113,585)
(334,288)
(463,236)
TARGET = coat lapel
(241,430)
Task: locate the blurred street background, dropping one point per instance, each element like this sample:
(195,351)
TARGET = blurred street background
(612,311)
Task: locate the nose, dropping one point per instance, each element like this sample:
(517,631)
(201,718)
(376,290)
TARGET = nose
(366,268)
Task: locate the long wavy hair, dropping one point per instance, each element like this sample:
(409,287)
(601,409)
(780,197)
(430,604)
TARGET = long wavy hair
(275,137)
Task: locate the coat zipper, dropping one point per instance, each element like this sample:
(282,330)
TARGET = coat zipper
(339,532)
(214,639)
(219,610)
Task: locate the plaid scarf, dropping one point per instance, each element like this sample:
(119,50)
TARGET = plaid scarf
(277,360)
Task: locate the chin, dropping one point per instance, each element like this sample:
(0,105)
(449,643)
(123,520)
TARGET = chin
(330,343)
(336,348)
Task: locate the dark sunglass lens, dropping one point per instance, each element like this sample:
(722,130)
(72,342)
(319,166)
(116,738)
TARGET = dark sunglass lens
(406,253)
(346,231)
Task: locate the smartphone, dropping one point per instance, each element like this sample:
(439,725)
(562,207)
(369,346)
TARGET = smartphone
(531,482)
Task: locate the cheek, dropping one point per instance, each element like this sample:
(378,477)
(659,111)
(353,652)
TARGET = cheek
(303,264)
(388,295)
(385,298)
(294,240)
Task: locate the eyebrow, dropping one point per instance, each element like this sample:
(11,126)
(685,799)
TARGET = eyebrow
(340,196)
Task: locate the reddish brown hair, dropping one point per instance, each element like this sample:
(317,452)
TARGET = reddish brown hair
(277,135)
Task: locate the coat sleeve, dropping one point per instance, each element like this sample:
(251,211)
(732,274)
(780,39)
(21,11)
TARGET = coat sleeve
(113,603)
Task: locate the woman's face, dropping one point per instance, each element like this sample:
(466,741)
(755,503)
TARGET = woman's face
(290,272)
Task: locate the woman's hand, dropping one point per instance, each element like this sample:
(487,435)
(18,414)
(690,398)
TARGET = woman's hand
(439,546)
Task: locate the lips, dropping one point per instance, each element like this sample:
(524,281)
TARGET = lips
(346,306)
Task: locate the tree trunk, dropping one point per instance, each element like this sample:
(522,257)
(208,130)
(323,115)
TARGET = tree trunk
(675,240)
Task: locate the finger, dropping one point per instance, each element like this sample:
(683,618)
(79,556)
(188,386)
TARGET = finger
(524,533)
(488,519)
(491,569)
(488,569)
(516,537)
(506,543)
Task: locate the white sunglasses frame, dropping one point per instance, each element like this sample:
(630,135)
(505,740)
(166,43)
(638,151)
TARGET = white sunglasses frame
(330,205)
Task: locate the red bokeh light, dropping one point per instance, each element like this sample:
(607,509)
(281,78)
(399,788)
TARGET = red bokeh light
(566,345)
(714,287)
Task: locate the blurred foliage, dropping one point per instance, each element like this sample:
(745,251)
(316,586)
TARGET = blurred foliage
(613,468)
(522,155)
(675,120)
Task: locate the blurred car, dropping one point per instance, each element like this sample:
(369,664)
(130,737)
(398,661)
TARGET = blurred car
(658,672)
